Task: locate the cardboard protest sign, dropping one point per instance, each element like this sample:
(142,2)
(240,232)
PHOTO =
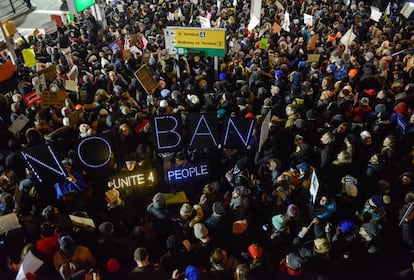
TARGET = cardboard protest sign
(49,71)
(313,58)
(53,99)
(146,79)
(18,124)
(126,55)
(71,85)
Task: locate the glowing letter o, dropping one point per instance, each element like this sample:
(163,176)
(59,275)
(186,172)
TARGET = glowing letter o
(94,147)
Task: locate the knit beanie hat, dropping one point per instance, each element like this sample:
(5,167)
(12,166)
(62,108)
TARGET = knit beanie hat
(106,228)
(346,226)
(66,243)
(278,222)
(365,134)
(192,273)
(163,103)
(200,231)
(350,185)
(255,251)
(240,226)
(294,261)
(112,265)
(158,201)
(292,211)
(186,211)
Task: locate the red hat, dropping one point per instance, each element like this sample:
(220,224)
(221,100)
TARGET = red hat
(112,265)
(249,115)
(370,92)
(353,73)
(401,108)
(255,251)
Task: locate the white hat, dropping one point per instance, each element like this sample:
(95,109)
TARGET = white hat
(163,103)
(365,134)
(17,97)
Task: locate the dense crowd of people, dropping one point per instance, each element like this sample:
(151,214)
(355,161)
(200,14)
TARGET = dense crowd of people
(323,189)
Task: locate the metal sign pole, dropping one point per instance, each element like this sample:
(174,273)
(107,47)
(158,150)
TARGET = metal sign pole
(9,45)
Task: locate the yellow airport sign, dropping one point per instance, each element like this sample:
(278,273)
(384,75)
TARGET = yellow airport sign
(187,40)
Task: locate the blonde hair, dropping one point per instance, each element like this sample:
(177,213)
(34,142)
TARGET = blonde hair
(324,247)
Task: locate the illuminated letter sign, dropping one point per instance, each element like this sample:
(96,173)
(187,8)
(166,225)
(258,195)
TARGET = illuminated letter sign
(44,163)
(186,173)
(94,151)
(236,128)
(145,178)
(202,130)
(167,132)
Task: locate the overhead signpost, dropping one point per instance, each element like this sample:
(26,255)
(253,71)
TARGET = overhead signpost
(195,41)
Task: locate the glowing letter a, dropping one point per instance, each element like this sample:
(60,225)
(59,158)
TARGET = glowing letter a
(209,131)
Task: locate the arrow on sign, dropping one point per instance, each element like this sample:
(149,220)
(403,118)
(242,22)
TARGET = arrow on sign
(173,42)
(172,33)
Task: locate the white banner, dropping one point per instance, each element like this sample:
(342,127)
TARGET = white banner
(256,9)
(286,22)
(254,21)
(314,186)
(308,19)
(204,22)
(50,27)
(376,14)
